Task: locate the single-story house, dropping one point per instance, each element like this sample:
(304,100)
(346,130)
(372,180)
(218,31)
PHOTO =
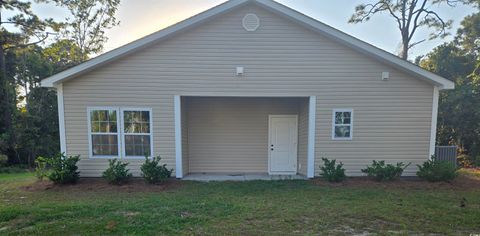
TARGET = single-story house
(249,86)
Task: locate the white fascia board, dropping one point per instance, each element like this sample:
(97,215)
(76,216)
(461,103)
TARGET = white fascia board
(140,43)
(359,45)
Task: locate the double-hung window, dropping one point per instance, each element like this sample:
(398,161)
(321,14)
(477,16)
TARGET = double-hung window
(342,124)
(137,132)
(104,132)
(116,132)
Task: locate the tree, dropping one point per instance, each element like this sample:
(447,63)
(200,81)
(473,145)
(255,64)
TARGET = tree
(63,54)
(90,19)
(459,110)
(468,34)
(410,16)
(26,28)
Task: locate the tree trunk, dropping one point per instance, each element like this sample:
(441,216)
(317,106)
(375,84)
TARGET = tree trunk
(6,114)
(405,44)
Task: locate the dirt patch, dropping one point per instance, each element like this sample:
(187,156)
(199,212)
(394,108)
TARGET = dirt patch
(100,185)
(460,183)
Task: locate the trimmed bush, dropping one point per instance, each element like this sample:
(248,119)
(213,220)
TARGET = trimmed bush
(3,160)
(435,170)
(41,168)
(385,172)
(64,169)
(331,171)
(117,172)
(153,173)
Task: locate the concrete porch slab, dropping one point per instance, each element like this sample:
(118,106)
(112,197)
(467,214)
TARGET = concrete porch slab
(240,177)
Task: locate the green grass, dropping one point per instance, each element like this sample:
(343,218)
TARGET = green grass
(236,208)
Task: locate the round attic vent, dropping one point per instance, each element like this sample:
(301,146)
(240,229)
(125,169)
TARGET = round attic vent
(251,22)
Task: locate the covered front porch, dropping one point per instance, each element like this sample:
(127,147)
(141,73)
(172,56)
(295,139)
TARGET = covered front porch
(244,138)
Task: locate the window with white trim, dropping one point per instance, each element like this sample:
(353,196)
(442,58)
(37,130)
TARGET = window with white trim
(137,134)
(120,132)
(104,132)
(342,124)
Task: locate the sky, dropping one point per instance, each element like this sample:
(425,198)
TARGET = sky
(142,17)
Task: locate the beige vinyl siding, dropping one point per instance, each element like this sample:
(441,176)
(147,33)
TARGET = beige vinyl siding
(230,135)
(303,136)
(281,58)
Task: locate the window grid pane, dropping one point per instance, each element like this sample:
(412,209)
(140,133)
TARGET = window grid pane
(343,131)
(137,145)
(137,122)
(103,121)
(343,118)
(105,145)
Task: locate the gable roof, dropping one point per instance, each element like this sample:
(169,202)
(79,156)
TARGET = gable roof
(271,5)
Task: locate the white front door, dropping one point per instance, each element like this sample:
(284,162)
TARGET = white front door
(282,147)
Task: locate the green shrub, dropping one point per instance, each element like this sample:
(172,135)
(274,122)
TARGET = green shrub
(64,169)
(385,172)
(117,172)
(41,168)
(331,171)
(3,160)
(153,173)
(435,170)
(465,160)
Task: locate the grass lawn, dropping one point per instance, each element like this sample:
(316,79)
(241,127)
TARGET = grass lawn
(237,208)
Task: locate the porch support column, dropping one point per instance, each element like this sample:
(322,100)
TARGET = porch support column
(311,136)
(178,137)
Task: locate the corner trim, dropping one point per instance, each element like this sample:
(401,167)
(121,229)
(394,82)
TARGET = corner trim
(433,129)
(178,136)
(61,118)
(312,108)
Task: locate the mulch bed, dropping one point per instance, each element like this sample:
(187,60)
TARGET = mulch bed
(460,183)
(100,185)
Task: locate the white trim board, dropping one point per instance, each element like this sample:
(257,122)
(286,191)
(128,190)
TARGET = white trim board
(278,8)
(178,136)
(433,129)
(312,119)
(61,119)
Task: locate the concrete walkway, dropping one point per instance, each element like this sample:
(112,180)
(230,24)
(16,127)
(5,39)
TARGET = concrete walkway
(239,177)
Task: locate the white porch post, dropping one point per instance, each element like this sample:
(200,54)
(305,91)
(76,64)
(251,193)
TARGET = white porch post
(433,129)
(311,136)
(61,119)
(178,136)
